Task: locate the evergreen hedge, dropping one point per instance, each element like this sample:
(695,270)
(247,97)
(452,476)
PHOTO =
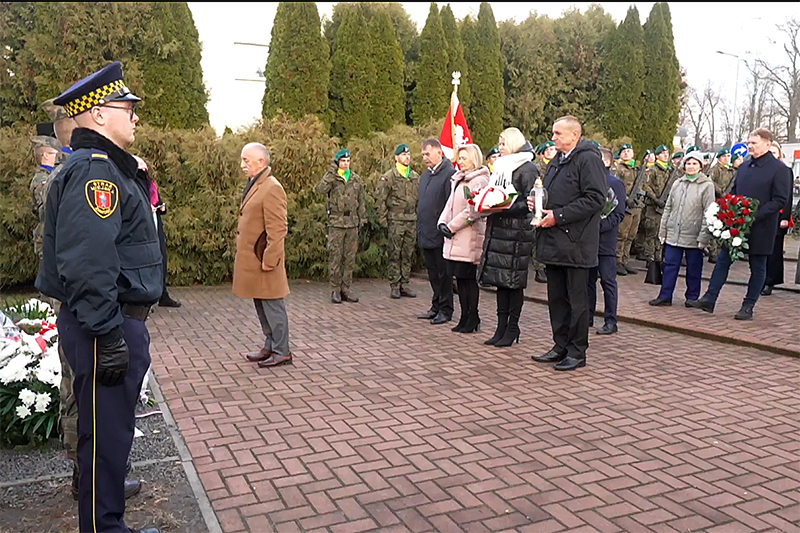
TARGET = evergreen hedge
(200,180)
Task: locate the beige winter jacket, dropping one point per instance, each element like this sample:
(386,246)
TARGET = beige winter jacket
(682,221)
(467,243)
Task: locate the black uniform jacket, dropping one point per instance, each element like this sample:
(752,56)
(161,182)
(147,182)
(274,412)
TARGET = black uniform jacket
(100,245)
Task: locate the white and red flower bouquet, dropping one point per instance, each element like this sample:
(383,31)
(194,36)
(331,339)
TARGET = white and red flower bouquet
(729,220)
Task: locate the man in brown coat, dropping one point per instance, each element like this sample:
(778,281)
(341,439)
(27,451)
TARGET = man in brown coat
(259,271)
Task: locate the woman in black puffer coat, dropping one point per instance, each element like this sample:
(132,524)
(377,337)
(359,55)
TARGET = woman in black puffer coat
(509,238)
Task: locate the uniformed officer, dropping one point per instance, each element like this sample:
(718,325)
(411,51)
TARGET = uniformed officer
(547,154)
(675,161)
(491,157)
(627,170)
(637,247)
(101,259)
(45,151)
(655,185)
(396,202)
(346,214)
(722,175)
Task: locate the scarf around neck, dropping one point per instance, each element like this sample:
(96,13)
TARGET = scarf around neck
(504,167)
(344,174)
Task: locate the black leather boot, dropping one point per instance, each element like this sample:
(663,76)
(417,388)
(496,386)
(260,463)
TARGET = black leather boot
(514,311)
(461,290)
(503,301)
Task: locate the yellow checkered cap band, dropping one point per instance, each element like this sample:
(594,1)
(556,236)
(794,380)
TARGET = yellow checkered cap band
(96,97)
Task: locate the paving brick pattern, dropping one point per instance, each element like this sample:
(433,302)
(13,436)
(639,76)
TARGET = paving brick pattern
(776,321)
(388,423)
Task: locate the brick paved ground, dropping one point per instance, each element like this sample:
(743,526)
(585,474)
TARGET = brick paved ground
(387,423)
(776,322)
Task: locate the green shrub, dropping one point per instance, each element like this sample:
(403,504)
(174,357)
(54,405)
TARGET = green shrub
(200,180)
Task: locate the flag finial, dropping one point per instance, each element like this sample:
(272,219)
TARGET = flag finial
(456,80)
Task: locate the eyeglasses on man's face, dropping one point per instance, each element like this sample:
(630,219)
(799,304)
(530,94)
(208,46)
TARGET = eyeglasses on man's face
(131,109)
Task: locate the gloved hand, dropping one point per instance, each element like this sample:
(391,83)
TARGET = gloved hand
(112,358)
(661,204)
(629,203)
(444,230)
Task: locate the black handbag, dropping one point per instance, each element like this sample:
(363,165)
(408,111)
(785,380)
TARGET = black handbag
(655,274)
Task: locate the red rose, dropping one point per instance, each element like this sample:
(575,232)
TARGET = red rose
(745,211)
(746,203)
(734,232)
(723,204)
(735,200)
(740,221)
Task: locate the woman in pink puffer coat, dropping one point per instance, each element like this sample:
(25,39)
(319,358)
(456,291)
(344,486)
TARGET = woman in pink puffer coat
(464,231)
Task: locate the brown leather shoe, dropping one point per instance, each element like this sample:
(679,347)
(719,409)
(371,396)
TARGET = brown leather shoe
(276,360)
(257,357)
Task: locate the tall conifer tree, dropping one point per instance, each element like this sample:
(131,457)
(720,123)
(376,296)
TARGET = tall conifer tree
(352,78)
(486,80)
(621,101)
(388,97)
(298,67)
(432,94)
(455,56)
(662,82)
(173,77)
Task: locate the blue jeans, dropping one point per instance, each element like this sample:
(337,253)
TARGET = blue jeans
(672,265)
(758,274)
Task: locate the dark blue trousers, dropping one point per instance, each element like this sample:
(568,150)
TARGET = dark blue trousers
(105,422)
(607,270)
(673,255)
(758,274)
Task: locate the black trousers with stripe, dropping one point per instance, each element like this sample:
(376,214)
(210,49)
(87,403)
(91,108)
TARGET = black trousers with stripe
(105,422)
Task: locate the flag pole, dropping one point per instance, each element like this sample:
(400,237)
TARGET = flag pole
(453,109)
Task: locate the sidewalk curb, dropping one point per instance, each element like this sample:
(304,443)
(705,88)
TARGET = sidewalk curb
(666,327)
(200,495)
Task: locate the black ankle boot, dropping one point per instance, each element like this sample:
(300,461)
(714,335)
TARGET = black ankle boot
(473,323)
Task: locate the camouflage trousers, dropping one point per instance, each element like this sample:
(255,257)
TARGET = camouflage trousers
(68,409)
(342,249)
(627,232)
(402,244)
(652,246)
(714,248)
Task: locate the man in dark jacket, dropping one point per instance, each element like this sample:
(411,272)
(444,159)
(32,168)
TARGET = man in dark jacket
(610,220)
(434,190)
(568,240)
(769,181)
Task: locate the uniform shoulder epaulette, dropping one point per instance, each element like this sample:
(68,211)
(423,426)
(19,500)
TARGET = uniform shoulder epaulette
(99,154)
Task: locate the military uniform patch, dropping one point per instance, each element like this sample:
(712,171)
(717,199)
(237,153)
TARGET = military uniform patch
(103,197)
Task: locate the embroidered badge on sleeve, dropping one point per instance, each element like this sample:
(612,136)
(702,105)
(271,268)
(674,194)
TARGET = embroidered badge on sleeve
(103,197)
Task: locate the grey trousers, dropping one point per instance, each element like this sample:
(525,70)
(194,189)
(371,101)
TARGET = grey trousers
(274,324)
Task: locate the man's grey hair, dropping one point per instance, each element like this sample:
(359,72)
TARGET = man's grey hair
(572,123)
(259,149)
(431,142)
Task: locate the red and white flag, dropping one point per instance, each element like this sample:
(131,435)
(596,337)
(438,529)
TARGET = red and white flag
(455,131)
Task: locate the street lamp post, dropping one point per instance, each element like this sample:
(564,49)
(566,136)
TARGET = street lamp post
(735,93)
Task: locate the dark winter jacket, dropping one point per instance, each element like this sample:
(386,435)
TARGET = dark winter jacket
(434,190)
(609,226)
(576,187)
(508,244)
(770,181)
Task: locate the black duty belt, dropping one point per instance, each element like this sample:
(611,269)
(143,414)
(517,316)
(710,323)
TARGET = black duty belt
(136,312)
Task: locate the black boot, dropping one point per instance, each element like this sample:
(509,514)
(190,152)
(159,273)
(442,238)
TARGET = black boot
(503,301)
(167,301)
(514,310)
(473,323)
(461,290)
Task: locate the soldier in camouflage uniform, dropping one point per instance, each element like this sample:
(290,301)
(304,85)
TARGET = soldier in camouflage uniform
(346,214)
(722,175)
(675,162)
(655,198)
(491,157)
(637,248)
(628,171)
(45,151)
(396,198)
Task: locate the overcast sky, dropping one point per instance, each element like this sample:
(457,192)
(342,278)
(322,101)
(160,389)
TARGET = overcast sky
(700,29)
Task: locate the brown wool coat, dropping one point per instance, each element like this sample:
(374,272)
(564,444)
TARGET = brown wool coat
(262,210)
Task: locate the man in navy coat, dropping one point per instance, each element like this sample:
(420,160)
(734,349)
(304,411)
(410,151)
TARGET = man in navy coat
(765,178)
(606,255)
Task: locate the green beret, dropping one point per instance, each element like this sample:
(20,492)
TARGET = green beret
(402,149)
(677,155)
(734,157)
(692,148)
(707,157)
(539,149)
(625,147)
(596,143)
(661,148)
(344,152)
(616,156)
(648,152)
(722,152)
(548,144)
(494,150)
